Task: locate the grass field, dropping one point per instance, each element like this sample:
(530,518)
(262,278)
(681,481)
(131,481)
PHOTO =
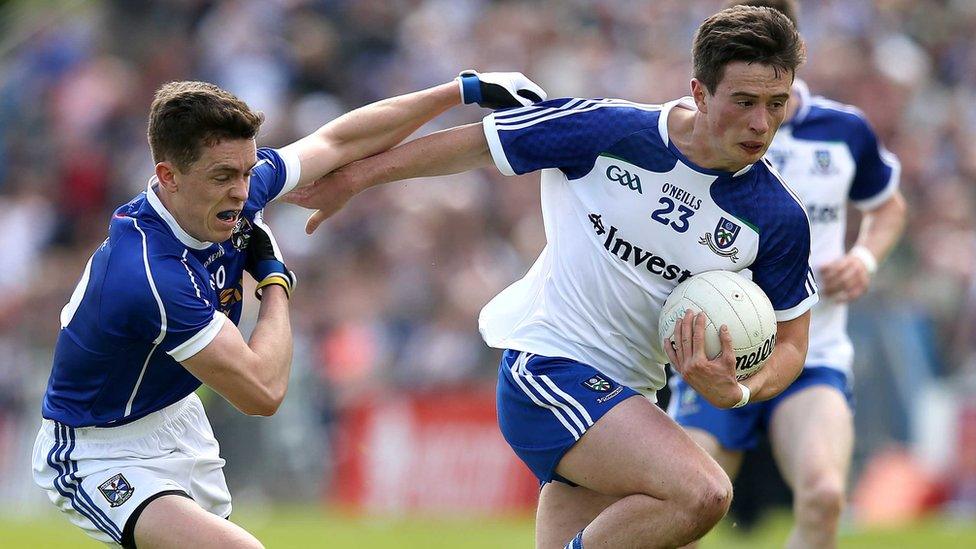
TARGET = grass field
(303,527)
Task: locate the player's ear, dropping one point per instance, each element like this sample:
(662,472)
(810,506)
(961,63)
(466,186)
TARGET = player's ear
(166,174)
(698,93)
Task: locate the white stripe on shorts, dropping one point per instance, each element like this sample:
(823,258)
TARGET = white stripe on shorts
(520,372)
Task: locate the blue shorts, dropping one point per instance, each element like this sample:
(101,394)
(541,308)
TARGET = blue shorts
(545,405)
(739,428)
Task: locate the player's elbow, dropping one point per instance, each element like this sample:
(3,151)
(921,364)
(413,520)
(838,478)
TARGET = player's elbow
(263,402)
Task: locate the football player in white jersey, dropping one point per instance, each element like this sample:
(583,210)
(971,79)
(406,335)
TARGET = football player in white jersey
(125,449)
(830,156)
(631,196)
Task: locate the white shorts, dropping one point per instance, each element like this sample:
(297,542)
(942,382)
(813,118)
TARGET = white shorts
(100,476)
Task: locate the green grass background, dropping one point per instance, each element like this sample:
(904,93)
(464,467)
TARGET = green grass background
(302,527)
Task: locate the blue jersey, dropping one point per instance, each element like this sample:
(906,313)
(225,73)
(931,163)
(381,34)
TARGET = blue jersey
(150,297)
(627,217)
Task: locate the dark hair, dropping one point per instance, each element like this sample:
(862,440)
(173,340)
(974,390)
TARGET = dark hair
(789,8)
(745,33)
(188,115)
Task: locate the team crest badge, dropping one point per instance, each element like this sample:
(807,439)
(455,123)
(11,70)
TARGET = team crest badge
(822,162)
(241,234)
(724,236)
(598,384)
(116,490)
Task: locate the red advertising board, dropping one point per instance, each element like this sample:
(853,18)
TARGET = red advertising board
(437,451)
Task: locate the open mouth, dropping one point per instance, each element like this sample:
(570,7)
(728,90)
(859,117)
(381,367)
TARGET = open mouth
(752,147)
(228,215)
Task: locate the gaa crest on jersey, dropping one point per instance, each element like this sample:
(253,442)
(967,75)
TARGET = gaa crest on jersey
(241,234)
(597,383)
(721,239)
(116,490)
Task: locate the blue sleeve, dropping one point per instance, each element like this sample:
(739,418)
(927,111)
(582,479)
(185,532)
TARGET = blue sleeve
(782,266)
(877,169)
(275,174)
(568,134)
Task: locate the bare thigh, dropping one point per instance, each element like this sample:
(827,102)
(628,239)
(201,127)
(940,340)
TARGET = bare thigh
(811,432)
(729,460)
(636,448)
(178,522)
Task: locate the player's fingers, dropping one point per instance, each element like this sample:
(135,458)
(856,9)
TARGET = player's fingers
(682,335)
(314,221)
(672,351)
(698,336)
(727,355)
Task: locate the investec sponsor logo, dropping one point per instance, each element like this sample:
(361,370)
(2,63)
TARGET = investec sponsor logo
(635,255)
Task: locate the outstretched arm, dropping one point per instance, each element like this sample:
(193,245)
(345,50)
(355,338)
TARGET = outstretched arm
(377,127)
(445,152)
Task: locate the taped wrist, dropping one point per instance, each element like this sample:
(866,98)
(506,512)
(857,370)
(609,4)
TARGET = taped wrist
(470,88)
(273,272)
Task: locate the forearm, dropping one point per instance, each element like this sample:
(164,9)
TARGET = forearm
(445,152)
(786,361)
(781,369)
(271,341)
(882,227)
(371,129)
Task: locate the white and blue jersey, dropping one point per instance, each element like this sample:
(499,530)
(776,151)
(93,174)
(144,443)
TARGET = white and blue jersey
(150,297)
(627,217)
(831,157)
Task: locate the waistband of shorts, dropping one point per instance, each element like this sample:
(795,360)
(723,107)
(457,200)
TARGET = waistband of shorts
(136,429)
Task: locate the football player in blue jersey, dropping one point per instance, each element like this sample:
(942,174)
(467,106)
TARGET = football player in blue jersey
(125,449)
(631,196)
(830,156)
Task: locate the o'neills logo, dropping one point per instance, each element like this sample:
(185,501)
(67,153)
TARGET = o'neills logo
(744,362)
(635,255)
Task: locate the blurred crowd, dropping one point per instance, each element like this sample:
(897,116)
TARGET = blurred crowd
(391,286)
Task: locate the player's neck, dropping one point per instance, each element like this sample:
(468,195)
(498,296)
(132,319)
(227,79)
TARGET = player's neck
(688,132)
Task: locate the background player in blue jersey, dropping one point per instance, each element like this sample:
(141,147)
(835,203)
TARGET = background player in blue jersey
(125,448)
(629,192)
(830,156)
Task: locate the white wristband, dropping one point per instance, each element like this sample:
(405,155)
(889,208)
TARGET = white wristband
(746,393)
(867,258)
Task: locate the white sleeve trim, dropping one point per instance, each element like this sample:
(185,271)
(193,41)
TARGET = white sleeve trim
(199,340)
(893,181)
(293,171)
(495,146)
(797,310)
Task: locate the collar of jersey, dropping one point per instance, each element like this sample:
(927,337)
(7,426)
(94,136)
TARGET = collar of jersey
(662,127)
(156,204)
(802,94)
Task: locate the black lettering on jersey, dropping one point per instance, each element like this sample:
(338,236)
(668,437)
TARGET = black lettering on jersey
(630,253)
(823,213)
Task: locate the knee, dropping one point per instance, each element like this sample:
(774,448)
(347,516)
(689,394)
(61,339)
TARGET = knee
(820,499)
(708,502)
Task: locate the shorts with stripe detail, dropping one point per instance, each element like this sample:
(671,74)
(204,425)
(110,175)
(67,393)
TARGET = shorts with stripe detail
(98,476)
(545,404)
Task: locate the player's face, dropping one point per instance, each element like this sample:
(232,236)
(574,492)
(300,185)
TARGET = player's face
(743,114)
(213,190)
